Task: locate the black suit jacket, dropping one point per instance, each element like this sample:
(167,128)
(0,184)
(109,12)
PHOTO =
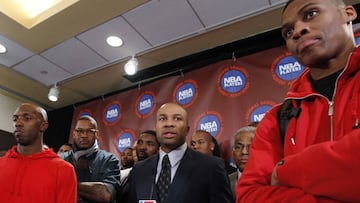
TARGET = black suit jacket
(199,179)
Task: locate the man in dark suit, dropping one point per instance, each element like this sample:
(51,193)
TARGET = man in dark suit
(195,177)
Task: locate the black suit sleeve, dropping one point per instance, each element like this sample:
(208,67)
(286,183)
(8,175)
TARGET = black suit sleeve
(220,190)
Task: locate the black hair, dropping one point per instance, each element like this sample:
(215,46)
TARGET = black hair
(286,5)
(150,132)
(216,151)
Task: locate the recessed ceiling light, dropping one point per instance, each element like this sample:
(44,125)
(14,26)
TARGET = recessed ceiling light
(114,41)
(2,49)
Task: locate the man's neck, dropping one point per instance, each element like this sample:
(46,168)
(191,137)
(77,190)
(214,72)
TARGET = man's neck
(329,67)
(29,150)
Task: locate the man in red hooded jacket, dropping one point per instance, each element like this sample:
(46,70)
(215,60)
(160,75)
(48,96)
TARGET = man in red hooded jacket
(30,172)
(319,159)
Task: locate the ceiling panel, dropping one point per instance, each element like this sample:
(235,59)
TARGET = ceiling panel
(96,40)
(42,70)
(214,12)
(15,53)
(73,56)
(162,21)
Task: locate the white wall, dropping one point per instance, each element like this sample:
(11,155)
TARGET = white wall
(7,109)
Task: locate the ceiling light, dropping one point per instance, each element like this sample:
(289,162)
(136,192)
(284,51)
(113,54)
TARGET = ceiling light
(114,41)
(131,66)
(32,12)
(2,49)
(53,94)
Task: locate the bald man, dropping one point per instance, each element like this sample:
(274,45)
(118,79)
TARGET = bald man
(194,177)
(31,172)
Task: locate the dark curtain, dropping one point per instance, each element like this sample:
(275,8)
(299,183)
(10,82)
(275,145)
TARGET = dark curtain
(7,140)
(59,127)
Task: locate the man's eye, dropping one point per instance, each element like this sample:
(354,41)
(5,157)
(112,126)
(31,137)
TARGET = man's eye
(287,33)
(311,14)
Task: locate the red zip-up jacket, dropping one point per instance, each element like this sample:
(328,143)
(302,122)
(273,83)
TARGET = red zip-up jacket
(321,150)
(39,178)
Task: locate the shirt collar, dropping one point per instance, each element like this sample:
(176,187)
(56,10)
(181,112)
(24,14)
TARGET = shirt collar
(175,155)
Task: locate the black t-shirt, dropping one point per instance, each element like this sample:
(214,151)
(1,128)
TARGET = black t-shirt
(326,86)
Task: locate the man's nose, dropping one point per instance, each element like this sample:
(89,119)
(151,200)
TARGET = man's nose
(300,29)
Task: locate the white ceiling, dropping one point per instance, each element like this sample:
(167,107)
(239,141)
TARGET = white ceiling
(70,49)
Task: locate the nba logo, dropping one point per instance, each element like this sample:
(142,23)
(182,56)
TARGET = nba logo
(147,201)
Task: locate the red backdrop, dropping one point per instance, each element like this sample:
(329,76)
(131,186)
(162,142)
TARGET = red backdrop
(220,98)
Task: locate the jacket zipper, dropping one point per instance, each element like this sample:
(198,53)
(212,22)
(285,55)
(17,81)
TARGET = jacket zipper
(331,113)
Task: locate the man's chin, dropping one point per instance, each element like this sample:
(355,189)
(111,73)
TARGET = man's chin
(22,142)
(140,158)
(83,147)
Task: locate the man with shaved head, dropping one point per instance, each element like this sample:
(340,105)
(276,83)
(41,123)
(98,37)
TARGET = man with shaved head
(31,172)
(178,174)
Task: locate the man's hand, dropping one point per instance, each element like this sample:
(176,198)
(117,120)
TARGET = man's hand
(274,180)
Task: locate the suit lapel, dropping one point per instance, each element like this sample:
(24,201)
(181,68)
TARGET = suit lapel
(147,188)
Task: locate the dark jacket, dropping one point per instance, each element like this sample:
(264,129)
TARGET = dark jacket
(199,179)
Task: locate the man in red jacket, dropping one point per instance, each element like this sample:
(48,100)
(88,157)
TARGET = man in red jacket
(318,161)
(31,172)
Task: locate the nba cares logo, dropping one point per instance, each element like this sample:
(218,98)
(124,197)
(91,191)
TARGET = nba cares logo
(147,201)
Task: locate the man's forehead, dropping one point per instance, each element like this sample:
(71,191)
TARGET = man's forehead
(201,136)
(25,111)
(198,138)
(171,111)
(146,136)
(84,123)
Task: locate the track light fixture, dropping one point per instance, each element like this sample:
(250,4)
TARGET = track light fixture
(54,93)
(131,66)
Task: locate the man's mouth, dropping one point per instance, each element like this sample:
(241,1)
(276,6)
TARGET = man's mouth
(169,135)
(305,44)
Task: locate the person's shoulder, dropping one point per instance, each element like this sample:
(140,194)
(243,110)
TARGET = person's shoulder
(103,154)
(197,156)
(60,163)
(65,164)
(148,162)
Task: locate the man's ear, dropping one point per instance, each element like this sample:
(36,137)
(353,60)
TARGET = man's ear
(43,126)
(351,13)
